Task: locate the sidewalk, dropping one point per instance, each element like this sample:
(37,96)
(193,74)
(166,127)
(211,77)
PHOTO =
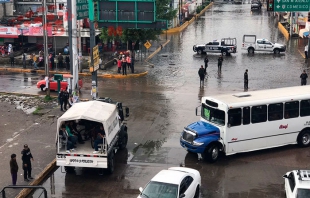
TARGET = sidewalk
(109,69)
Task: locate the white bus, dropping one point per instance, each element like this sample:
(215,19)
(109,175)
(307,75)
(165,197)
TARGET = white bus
(248,121)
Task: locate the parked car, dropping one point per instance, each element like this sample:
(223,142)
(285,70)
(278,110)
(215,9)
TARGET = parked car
(252,44)
(176,182)
(297,183)
(256,5)
(53,83)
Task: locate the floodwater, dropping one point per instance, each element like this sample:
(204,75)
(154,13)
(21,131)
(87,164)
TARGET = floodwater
(164,101)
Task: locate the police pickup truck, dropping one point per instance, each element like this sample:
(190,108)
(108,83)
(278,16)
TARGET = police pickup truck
(251,44)
(225,46)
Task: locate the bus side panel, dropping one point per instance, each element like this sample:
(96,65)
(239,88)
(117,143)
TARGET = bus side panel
(262,135)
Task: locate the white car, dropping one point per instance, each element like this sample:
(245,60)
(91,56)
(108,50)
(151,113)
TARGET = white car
(176,182)
(297,184)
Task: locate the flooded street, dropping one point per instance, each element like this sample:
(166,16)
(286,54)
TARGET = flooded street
(163,103)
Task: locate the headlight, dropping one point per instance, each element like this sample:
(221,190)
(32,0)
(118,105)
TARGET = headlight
(197,143)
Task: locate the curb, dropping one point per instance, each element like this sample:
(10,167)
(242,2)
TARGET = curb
(26,191)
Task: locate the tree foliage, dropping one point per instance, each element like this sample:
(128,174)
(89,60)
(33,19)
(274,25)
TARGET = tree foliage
(164,11)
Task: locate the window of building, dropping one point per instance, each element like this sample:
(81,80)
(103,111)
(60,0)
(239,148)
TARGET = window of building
(234,117)
(305,108)
(275,111)
(246,115)
(259,114)
(291,109)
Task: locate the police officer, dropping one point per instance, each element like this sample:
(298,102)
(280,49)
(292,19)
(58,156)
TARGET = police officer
(65,99)
(61,99)
(246,80)
(219,63)
(206,60)
(26,158)
(201,73)
(303,77)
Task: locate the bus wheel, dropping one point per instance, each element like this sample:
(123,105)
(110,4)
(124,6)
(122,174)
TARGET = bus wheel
(111,162)
(211,154)
(304,138)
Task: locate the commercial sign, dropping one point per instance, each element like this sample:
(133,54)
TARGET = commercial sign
(81,9)
(8,32)
(95,59)
(290,5)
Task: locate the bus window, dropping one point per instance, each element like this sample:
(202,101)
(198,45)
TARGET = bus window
(275,111)
(291,109)
(246,115)
(259,114)
(305,108)
(234,117)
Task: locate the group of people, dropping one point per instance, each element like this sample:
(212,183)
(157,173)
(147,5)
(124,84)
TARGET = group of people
(69,133)
(66,100)
(26,164)
(202,72)
(124,62)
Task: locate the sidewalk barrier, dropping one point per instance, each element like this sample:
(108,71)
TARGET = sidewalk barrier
(184,25)
(283,31)
(25,192)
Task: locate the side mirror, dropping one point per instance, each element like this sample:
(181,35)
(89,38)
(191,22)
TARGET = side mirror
(140,189)
(285,176)
(127,111)
(182,195)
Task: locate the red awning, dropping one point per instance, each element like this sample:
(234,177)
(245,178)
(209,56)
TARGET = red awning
(8,36)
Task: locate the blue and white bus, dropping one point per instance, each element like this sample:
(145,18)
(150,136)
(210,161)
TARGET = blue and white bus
(249,121)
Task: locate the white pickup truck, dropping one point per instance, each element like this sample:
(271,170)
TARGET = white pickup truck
(251,44)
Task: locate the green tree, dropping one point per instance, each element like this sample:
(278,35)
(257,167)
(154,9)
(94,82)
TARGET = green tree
(164,11)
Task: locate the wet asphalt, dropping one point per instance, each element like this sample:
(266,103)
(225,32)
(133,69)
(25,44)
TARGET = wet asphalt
(164,101)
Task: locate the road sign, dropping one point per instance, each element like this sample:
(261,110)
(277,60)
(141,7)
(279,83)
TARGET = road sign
(291,5)
(147,45)
(82,9)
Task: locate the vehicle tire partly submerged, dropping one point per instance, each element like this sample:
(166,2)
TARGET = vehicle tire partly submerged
(304,138)
(211,154)
(251,51)
(197,192)
(111,162)
(42,87)
(199,51)
(277,51)
(123,138)
(224,53)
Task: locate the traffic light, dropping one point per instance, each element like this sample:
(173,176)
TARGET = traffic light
(270,5)
(308,16)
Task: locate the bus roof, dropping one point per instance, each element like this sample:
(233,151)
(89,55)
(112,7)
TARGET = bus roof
(272,95)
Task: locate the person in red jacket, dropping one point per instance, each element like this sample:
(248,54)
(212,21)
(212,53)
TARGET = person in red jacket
(119,66)
(128,60)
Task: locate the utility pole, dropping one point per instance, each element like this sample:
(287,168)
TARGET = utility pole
(92,45)
(80,23)
(45,54)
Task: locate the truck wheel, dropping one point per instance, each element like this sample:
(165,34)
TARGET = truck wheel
(197,192)
(304,138)
(277,51)
(211,154)
(199,51)
(42,87)
(69,169)
(111,162)
(123,141)
(251,51)
(224,53)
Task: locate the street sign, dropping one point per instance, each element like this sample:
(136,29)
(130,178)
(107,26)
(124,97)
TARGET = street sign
(96,58)
(147,45)
(81,9)
(291,5)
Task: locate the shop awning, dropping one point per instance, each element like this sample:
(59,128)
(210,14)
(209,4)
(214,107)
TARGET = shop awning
(8,36)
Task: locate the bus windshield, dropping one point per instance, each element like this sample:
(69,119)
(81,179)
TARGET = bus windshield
(215,116)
